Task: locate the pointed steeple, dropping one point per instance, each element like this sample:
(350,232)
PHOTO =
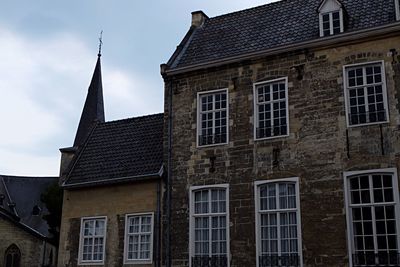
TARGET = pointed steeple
(93,111)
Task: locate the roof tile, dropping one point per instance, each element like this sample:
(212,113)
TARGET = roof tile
(273,25)
(120,149)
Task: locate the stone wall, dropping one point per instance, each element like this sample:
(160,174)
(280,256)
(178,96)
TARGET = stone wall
(31,247)
(113,201)
(319,149)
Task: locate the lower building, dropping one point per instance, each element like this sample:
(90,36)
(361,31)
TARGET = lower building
(25,236)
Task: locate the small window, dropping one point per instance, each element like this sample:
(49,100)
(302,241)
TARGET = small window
(271,109)
(373,217)
(36,210)
(92,240)
(139,239)
(12,257)
(365,91)
(278,229)
(212,118)
(209,226)
(330,18)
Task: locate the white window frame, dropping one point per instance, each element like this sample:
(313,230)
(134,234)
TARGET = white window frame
(321,24)
(347,175)
(80,251)
(192,190)
(255,108)
(138,261)
(198,124)
(347,96)
(257,185)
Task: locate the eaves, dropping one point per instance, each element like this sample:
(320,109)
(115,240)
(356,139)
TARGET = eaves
(330,41)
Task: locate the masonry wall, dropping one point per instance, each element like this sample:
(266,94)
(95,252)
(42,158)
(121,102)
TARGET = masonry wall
(31,247)
(113,201)
(319,149)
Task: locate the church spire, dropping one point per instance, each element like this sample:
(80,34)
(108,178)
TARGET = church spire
(93,111)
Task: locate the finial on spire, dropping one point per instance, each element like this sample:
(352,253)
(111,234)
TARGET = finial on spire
(100,43)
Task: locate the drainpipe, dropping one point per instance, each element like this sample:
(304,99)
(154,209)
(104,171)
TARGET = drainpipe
(169,82)
(44,254)
(158,225)
(169,178)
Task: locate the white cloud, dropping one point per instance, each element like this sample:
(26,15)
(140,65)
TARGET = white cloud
(17,163)
(130,94)
(43,85)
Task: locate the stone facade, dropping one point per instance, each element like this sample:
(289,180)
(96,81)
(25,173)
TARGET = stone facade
(319,148)
(31,247)
(112,201)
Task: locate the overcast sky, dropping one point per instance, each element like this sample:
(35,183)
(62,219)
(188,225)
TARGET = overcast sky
(48,50)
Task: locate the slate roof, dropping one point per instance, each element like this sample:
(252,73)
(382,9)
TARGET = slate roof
(25,193)
(121,150)
(93,109)
(270,26)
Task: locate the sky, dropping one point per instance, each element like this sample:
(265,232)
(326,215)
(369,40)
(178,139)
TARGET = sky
(48,50)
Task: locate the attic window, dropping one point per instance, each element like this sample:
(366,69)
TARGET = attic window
(330,18)
(36,210)
(397,6)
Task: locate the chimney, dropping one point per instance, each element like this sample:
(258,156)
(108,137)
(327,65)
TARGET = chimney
(67,155)
(198,18)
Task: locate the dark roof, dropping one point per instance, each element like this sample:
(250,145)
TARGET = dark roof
(25,193)
(93,109)
(271,26)
(122,150)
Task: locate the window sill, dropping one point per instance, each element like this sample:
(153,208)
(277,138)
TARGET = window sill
(137,262)
(367,124)
(91,263)
(272,137)
(212,145)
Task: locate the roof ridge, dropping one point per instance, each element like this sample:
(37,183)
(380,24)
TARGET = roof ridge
(28,177)
(13,209)
(82,148)
(133,118)
(250,8)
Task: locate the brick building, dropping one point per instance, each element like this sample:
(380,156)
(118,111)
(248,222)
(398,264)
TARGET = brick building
(282,137)
(112,181)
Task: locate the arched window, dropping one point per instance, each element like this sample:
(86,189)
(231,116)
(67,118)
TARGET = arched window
(12,256)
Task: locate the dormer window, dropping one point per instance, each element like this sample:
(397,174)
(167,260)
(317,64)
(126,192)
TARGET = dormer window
(397,6)
(36,210)
(330,18)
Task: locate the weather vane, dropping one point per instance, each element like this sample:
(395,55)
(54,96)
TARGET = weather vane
(100,42)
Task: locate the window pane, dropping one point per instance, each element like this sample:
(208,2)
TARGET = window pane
(271,109)
(213,119)
(366,103)
(374,224)
(278,227)
(209,229)
(92,239)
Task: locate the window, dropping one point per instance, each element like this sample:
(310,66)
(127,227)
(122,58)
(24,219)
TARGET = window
(12,257)
(365,91)
(372,201)
(330,18)
(138,238)
(278,227)
(271,109)
(331,23)
(212,118)
(209,226)
(92,240)
(397,6)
